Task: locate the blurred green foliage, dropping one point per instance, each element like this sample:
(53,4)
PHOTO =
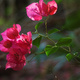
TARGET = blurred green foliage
(2,20)
(72,21)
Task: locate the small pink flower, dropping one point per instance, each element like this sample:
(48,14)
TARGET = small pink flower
(9,37)
(5,45)
(17,46)
(15,59)
(12,32)
(36,11)
(25,42)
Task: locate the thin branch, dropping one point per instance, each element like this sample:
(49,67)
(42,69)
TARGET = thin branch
(46,24)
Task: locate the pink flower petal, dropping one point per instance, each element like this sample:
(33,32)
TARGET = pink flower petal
(10,58)
(14,53)
(43,8)
(2,48)
(29,34)
(14,62)
(33,12)
(10,65)
(18,27)
(12,33)
(18,67)
(25,42)
(4,35)
(52,7)
(36,11)
(40,4)
(7,44)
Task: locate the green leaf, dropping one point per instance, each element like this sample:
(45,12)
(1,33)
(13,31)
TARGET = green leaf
(36,42)
(69,57)
(64,41)
(76,54)
(37,25)
(53,31)
(72,20)
(50,49)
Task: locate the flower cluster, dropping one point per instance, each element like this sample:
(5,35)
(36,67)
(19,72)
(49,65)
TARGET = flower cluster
(17,46)
(36,11)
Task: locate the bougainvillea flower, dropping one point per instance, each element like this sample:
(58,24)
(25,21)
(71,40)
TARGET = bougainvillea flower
(15,60)
(12,32)
(9,37)
(17,46)
(25,42)
(5,45)
(36,11)
(33,12)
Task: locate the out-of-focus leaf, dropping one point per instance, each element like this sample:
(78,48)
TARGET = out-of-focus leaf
(2,21)
(58,1)
(9,11)
(53,31)
(56,36)
(46,1)
(61,52)
(77,55)
(50,49)
(37,25)
(64,41)
(69,57)
(36,42)
(72,21)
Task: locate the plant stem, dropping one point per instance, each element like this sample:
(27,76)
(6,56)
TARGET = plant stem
(69,49)
(54,42)
(46,24)
(50,39)
(65,49)
(77,60)
(47,38)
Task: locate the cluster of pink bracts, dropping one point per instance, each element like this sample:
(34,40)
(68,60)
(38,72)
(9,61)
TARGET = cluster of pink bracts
(17,46)
(36,11)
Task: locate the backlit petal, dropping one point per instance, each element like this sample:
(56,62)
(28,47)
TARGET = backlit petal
(52,7)
(33,12)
